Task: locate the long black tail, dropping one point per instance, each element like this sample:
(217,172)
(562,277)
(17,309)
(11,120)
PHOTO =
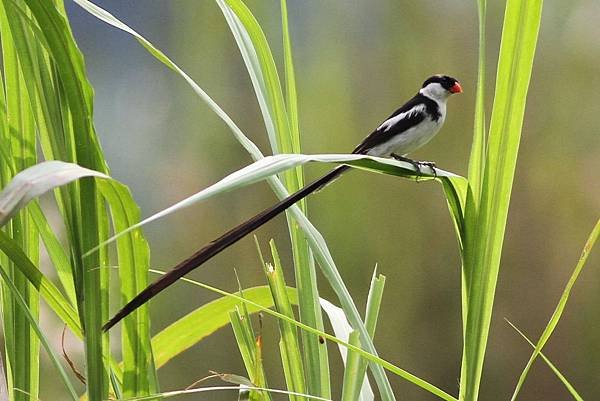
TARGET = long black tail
(214,247)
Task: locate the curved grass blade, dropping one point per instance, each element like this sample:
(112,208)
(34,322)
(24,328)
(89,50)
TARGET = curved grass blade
(187,331)
(37,180)
(272,165)
(560,307)
(175,393)
(557,372)
(314,238)
(363,353)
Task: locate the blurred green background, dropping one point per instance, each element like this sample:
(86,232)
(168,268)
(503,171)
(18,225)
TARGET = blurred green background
(356,61)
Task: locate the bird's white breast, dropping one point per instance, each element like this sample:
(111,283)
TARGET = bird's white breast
(411,139)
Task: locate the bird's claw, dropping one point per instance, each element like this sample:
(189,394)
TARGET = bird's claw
(417,165)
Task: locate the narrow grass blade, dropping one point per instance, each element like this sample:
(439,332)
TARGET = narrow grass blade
(325,336)
(352,380)
(250,347)
(355,384)
(56,252)
(204,321)
(291,357)
(477,157)
(487,222)
(139,372)
(271,165)
(85,221)
(169,394)
(60,305)
(362,386)
(283,138)
(557,372)
(314,238)
(54,358)
(560,307)
(37,180)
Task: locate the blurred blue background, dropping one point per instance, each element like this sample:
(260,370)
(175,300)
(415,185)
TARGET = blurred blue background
(356,61)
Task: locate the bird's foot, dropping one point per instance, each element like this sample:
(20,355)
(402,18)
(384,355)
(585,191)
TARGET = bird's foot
(417,164)
(431,165)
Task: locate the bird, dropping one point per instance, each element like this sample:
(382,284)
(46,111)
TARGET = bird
(405,130)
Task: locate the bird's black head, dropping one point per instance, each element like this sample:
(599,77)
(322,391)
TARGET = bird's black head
(448,83)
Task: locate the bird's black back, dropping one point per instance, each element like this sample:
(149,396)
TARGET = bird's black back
(380,136)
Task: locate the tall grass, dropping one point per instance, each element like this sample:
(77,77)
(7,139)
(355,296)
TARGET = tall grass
(47,103)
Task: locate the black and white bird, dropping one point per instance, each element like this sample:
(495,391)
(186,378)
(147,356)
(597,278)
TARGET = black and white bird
(407,129)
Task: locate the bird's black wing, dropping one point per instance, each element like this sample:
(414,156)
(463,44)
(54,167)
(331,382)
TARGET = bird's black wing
(383,134)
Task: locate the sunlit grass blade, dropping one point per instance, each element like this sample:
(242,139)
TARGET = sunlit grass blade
(139,373)
(352,380)
(289,345)
(54,358)
(56,251)
(557,372)
(272,165)
(485,234)
(37,180)
(284,138)
(315,239)
(362,386)
(560,307)
(250,347)
(204,321)
(169,394)
(22,343)
(74,87)
(325,336)
(57,302)
(477,157)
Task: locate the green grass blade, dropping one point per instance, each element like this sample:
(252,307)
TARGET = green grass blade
(482,254)
(477,157)
(362,386)
(176,393)
(557,372)
(250,348)
(32,320)
(260,64)
(352,378)
(316,357)
(204,321)
(364,353)
(272,165)
(37,180)
(57,302)
(56,252)
(22,343)
(139,373)
(290,84)
(560,307)
(78,95)
(291,357)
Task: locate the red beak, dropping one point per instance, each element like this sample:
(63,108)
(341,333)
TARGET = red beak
(456,88)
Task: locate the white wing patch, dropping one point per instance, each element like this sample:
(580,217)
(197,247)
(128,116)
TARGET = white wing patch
(390,122)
